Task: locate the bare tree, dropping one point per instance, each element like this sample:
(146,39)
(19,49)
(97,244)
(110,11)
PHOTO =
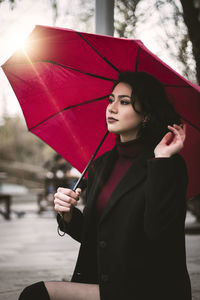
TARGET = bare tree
(191,17)
(179,20)
(126,19)
(17,144)
(180,35)
(12,2)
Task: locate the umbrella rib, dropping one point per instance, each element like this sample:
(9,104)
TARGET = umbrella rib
(67,67)
(137,59)
(85,73)
(69,107)
(196,127)
(104,58)
(181,86)
(166,85)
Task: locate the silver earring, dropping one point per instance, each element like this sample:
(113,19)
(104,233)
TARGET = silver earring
(145,122)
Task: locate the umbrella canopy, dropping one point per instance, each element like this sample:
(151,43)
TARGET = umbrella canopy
(62,79)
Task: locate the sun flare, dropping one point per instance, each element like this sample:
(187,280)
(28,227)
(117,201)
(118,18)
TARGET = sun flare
(16,37)
(18,40)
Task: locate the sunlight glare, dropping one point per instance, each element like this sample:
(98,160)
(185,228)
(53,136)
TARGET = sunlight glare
(18,40)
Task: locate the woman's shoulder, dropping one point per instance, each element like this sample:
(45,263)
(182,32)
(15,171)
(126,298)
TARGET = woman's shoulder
(175,164)
(174,159)
(178,159)
(178,165)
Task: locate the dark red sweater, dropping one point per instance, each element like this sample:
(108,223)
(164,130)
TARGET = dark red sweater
(127,152)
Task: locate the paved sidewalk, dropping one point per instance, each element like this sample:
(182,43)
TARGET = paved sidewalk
(31,250)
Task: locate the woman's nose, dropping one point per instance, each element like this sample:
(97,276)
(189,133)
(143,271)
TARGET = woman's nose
(113,107)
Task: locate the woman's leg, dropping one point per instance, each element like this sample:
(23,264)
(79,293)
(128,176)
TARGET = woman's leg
(35,291)
(72,291)
(60,291)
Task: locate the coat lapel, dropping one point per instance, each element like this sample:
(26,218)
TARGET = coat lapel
(100,172)
(135,174)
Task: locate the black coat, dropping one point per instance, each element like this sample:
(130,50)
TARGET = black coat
(136,250)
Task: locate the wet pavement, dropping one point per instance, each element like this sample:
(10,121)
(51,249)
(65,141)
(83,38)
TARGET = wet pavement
(31,251)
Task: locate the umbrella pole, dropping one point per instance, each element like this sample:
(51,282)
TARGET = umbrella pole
(90,161)
(79,181)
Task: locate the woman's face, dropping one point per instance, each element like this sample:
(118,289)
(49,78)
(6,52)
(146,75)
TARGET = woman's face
(121,118)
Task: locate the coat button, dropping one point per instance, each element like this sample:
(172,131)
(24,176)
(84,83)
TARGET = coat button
(102,244)
(104,277)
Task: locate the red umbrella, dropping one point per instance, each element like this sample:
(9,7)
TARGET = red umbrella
(63,77)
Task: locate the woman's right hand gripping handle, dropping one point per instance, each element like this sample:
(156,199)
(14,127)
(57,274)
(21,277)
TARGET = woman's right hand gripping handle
(65,200)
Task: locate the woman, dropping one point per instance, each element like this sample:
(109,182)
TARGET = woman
(132,228)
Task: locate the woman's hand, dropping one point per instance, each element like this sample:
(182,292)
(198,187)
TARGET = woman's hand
(172,142)
(65,200)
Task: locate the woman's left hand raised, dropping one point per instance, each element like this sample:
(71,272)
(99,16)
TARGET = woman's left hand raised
(172,142)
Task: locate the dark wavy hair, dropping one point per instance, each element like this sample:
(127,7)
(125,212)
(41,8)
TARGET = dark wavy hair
(150,93)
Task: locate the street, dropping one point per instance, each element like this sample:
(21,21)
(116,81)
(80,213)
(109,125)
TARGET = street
(31,251)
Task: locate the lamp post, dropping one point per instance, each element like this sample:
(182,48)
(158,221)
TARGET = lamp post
(104,17)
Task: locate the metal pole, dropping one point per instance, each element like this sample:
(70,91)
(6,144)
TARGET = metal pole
(104,17)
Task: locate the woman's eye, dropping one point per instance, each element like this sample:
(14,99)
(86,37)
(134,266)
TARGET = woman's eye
(110,100)
(125,102)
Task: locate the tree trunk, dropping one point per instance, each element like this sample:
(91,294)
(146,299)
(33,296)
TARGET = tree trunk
(190,15)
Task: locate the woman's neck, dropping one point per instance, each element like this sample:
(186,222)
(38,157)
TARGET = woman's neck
(129,149)
(127,138)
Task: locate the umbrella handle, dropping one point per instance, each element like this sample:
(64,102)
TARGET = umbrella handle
(77,184)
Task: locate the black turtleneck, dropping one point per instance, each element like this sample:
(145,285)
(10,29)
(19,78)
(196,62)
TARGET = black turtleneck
(127,152)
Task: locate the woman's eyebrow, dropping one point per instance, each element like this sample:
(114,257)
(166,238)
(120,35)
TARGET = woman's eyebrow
(121,96)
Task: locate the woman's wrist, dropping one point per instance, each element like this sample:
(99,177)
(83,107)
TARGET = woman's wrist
(162,155)
(67,216)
